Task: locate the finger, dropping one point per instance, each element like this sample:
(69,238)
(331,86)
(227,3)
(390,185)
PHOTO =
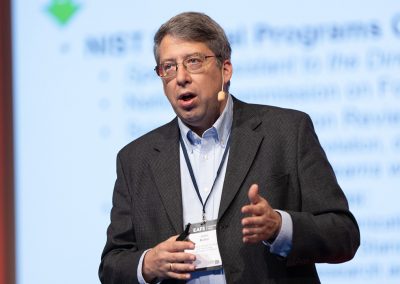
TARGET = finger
(177,271)
(173,238)
(255,221)
(256,209)
(254,231)
(181,246)
(262,221)
(252,239)
(182,267)
(181,257)
(253,195)
(180,276)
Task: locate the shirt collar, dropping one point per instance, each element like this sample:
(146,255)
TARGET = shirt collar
(220,129)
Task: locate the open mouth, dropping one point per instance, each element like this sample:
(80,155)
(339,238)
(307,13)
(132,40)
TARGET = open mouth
(186,97)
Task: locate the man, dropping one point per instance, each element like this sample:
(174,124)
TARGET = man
(257,172)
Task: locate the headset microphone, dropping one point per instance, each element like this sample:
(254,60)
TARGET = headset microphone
(222,94)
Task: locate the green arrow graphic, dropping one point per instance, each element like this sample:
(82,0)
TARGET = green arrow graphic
(62,10)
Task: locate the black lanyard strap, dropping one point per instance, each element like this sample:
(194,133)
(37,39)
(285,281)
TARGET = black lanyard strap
(189,165)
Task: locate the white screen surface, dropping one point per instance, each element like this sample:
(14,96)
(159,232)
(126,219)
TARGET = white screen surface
(84,86)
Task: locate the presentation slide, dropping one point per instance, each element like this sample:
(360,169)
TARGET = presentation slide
(84,86)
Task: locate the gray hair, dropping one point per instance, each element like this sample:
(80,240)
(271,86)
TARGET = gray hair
(197,27)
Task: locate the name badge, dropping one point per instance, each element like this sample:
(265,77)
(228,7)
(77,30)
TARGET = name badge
(206,246)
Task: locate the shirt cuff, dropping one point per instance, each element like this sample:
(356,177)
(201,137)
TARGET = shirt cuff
(283,242)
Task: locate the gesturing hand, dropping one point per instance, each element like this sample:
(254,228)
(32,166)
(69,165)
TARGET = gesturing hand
(168,260)
(263,223)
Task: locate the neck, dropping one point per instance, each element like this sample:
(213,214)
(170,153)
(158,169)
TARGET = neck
(200,129)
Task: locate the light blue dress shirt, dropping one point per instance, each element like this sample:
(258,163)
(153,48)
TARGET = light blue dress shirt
(205,155)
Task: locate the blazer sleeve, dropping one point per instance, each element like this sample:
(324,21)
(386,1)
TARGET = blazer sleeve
(324,230)
(120,256)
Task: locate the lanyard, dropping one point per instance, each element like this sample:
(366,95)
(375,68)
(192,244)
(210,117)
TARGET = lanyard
(189,165)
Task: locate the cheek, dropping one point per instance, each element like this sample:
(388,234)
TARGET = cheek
(213,88)
(168,90)
(207,86)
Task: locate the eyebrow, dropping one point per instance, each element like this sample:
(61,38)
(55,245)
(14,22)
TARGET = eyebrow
(184,57)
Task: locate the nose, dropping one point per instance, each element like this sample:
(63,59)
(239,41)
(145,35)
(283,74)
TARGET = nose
(182,75)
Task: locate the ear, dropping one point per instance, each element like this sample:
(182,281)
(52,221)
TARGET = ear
(228,70)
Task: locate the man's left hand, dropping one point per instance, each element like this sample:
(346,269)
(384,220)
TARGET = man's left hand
(263,222)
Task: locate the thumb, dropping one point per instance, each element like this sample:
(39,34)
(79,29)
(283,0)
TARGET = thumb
(253,194)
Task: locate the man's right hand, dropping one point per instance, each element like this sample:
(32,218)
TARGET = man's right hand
(168,260)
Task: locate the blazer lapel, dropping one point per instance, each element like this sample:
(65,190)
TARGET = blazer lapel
(245,144)
(166,172)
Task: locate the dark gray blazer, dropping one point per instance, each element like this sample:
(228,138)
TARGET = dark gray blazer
(273,147)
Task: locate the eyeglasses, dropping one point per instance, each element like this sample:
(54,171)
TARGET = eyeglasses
(193,64)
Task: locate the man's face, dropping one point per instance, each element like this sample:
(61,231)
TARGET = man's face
(194,96)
